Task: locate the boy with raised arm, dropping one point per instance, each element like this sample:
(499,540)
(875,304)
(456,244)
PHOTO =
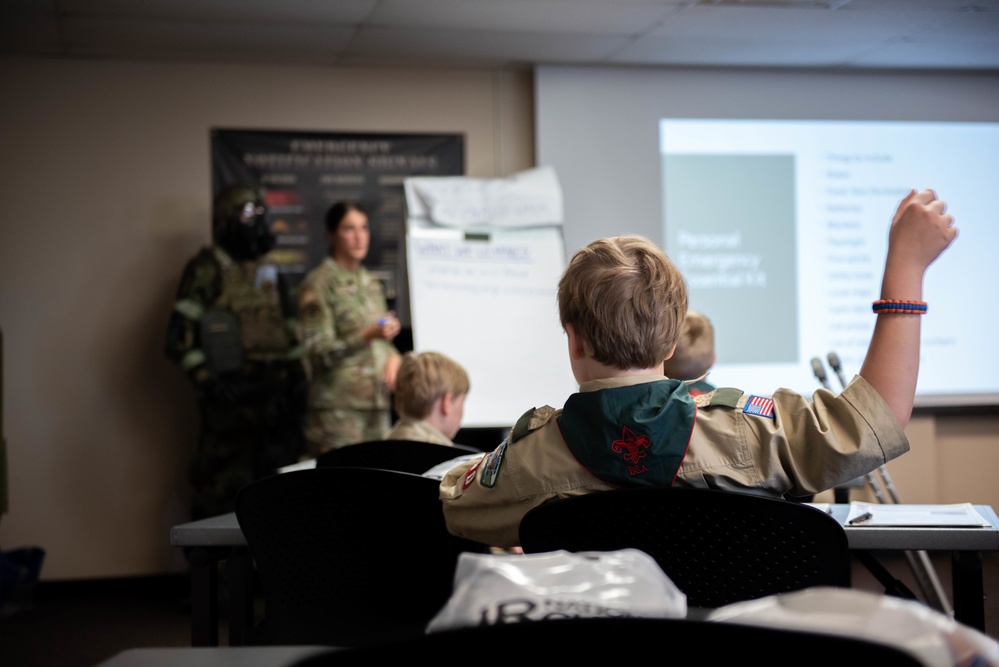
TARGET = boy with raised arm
(622,302)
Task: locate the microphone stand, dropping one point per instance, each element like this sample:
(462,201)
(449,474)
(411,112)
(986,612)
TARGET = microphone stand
(820,374)
(886,480)
(919,561)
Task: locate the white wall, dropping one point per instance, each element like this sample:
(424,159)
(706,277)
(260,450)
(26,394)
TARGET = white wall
(104,194)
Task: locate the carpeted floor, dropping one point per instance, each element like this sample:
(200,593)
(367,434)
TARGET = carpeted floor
(83,623)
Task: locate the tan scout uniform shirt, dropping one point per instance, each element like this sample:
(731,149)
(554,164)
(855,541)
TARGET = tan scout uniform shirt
(806,447)
(416,429)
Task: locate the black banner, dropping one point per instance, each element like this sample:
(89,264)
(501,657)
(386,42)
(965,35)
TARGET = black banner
(304,173)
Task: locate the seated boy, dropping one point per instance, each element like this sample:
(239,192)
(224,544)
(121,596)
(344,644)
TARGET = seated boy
(622,302)
(430,391)
(694,355)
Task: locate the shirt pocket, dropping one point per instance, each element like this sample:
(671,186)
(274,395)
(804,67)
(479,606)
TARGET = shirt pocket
(349,313)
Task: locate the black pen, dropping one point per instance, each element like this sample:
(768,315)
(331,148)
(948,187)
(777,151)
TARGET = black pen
(866,516)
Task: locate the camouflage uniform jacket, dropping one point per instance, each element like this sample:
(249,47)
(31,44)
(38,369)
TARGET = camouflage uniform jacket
(335,305)
(213,280)
(646,430)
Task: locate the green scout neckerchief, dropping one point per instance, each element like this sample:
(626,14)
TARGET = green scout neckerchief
(630,436)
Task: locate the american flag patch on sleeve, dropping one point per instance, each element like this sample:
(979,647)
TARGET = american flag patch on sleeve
(759,405)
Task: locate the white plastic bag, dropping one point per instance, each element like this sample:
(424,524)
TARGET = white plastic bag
(491,589)
(936,639)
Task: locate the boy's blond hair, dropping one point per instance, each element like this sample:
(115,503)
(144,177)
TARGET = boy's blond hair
(695,351)
(423,378)
(625,299)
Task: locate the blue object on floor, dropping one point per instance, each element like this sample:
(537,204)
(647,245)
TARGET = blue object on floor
(19,572)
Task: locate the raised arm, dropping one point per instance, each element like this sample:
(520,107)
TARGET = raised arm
(920,231)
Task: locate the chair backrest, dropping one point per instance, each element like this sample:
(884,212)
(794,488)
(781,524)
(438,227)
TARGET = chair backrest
(347,556)
(404,455)
(591,640)
(718,547)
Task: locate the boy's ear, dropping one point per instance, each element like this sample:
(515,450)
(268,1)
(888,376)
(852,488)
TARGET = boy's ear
(671,353)
(446,401)
(577,346)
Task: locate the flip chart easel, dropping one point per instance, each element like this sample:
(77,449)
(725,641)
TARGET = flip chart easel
(484,257)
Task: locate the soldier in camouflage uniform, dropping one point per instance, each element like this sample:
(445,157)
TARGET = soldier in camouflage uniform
(233,333)
(347,332)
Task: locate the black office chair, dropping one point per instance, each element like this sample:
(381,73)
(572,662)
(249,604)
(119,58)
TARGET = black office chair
(347,556)
(718,547)
(590,640)
(404,455)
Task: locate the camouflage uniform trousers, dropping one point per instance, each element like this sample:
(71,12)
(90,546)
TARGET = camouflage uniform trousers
(331,429)
(246,433)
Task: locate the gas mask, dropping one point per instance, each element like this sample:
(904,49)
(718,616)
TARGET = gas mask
(241,225)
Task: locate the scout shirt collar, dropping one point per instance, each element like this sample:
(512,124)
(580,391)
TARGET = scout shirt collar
(622,381)
(703,378)
(630,431)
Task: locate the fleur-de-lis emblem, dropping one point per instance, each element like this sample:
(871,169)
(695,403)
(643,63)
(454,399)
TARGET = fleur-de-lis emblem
(632,445)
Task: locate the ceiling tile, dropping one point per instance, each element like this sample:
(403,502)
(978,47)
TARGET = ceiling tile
(549,16)
(479,46)
(271,11)
(762,33)
(187,41)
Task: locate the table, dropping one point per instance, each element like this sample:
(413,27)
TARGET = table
(211,541)
(966,546)
(208,542)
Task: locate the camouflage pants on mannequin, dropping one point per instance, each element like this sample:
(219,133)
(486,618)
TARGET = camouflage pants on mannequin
(249,428)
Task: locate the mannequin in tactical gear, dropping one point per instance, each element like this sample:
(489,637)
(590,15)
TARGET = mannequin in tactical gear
(233,333)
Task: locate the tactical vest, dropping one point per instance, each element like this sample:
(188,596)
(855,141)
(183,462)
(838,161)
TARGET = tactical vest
(262,324)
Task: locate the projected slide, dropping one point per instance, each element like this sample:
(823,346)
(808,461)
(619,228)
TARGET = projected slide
(781,229)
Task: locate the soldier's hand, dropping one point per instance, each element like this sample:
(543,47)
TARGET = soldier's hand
(386,328)
(391,370)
